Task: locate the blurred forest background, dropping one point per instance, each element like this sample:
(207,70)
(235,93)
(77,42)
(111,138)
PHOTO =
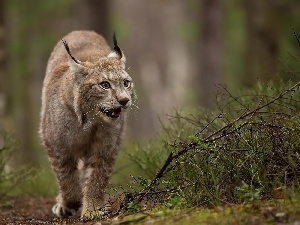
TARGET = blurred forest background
(178,53)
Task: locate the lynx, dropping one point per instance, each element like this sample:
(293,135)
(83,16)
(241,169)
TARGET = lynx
(85,98)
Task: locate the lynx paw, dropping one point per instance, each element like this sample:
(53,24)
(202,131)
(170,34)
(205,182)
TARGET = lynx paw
(93,214)
(62,211)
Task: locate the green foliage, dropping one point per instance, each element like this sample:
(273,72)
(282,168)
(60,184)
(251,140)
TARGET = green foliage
(175,201)
(133,206)
(241,152)
(41,183)
(20,180)
(11,178)
(248,193)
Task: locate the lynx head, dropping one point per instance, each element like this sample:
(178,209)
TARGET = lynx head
(103,90)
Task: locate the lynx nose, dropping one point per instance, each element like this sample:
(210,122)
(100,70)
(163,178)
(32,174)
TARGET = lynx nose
(123,101)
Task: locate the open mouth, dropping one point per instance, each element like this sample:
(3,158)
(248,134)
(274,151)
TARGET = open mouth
(113,113)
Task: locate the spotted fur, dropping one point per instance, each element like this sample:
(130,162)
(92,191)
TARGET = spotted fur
(85,98)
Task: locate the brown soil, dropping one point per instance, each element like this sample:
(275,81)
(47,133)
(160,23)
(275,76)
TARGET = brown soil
(32,210)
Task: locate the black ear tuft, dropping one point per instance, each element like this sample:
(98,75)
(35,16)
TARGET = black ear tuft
(116,47)
(68,50)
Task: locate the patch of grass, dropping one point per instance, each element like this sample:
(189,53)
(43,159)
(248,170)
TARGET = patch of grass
(10,178)
(243,151)
(42,183)
(16,180)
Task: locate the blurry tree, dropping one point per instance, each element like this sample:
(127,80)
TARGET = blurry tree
(93,15)
(3,72)
(33,29)
(20,77)
(211,50)
(159,58)
(263,28)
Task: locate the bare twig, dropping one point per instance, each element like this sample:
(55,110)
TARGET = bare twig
(253,111)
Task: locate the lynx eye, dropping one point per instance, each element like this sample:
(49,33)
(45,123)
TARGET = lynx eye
(126,83)
(105,85)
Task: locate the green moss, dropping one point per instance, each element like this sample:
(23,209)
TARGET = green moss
(264,212)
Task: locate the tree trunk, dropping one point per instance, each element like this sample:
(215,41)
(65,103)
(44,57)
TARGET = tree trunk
(211,50)
(263,26)
(93,15)
(159,58)
(20,71)
(3,82)
(3,72)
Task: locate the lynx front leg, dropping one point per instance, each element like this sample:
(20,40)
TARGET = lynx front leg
(93,193)
(70,193)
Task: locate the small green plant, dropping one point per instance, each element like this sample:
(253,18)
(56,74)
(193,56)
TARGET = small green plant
(133,206)
(248,193)
(175,202)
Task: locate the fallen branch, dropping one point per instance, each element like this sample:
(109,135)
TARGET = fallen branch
(157,177)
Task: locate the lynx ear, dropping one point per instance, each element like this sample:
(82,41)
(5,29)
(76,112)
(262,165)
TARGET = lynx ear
(117,52)
(74,64)
(68,51)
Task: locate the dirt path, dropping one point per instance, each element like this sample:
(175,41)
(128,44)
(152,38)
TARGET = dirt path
(31,210)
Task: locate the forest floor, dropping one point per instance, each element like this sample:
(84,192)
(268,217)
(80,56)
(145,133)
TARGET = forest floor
(29,210)
(37,210)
